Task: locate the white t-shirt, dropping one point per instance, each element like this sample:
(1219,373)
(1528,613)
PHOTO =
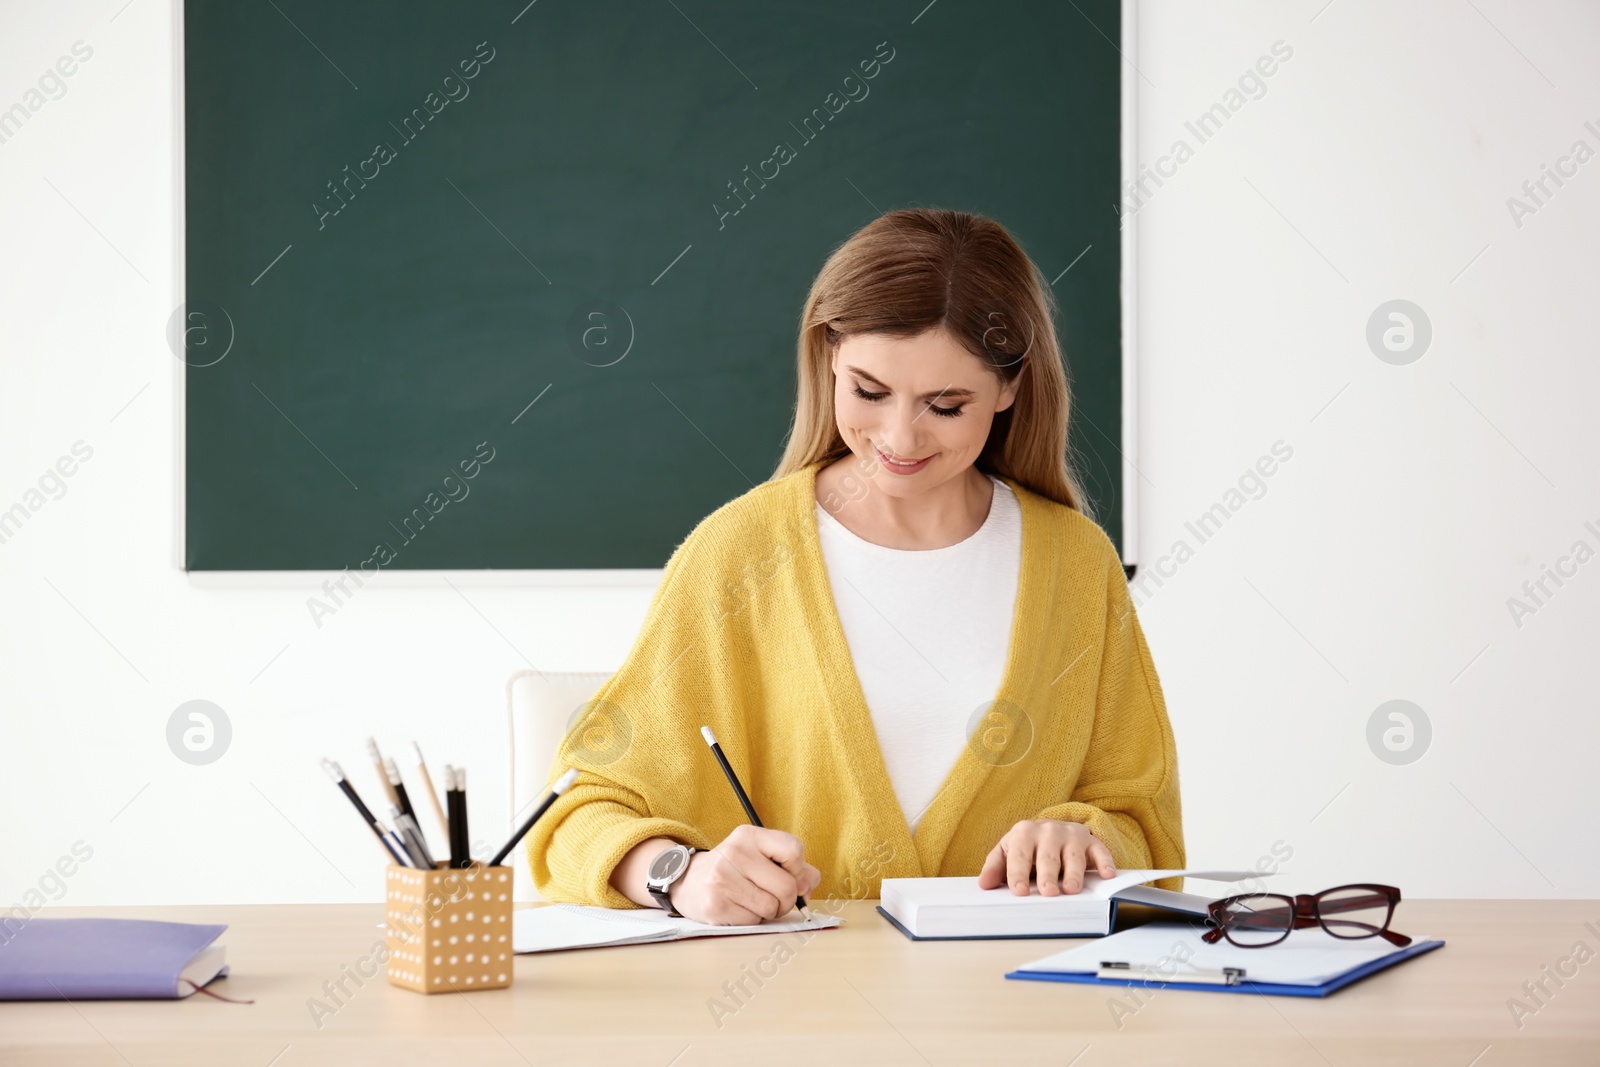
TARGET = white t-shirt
(929,632)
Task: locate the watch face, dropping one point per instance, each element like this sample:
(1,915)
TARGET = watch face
(668,864)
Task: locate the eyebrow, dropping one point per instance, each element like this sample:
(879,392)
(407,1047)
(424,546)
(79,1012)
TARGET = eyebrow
(953,394)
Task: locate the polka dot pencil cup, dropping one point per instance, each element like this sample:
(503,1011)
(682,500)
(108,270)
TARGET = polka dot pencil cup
(449,929)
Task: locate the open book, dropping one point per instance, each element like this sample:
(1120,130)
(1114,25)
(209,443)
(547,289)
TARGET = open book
(562,926)
(955,908)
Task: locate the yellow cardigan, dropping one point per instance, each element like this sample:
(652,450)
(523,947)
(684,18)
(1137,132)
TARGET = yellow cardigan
(742,635)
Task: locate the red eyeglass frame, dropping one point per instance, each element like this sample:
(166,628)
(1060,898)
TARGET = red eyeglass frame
(1306,908)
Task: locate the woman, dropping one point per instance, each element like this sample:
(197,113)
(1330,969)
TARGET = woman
(915,647)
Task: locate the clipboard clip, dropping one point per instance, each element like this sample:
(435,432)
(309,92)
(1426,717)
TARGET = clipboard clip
(1226,976)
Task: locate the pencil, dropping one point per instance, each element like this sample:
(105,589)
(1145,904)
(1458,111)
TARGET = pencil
(378,829)
(455,791)
(383,775)
(744,798)
(397,785)
(561,786)
(433,795)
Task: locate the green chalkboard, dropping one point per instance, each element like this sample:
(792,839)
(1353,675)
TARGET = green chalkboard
(403,218)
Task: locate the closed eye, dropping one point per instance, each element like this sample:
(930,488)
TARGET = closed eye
(948,413)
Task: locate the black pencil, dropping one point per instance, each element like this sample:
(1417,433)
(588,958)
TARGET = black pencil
(744,798)
(378,830)
(452,843)
(402,801)
(455,791)
(561,786)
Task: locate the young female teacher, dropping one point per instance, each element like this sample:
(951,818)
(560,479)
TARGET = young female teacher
(915,646)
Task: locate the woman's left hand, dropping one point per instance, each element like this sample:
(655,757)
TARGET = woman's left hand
(1059,851)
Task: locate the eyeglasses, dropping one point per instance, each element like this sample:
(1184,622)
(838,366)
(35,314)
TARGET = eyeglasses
(1255,920)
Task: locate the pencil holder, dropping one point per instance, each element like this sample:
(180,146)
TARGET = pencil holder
(449,929)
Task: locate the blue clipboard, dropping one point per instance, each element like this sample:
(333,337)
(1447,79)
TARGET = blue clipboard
(1000,937)
(1332,985)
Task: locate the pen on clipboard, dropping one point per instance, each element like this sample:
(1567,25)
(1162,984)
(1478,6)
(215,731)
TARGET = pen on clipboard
(749,808)
(1116,969)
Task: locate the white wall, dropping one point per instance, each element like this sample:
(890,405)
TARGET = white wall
(1376,566)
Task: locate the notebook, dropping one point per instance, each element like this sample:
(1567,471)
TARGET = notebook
(554,927)
(107,959)
(956,909)
(1308,963)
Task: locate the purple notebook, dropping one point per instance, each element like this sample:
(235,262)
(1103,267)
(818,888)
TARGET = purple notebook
(106,959)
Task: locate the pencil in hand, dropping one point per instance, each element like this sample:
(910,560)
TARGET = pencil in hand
(744,799)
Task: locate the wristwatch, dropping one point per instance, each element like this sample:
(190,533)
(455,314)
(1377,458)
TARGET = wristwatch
(668,866)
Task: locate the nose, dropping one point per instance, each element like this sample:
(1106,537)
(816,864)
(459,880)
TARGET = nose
(901,434)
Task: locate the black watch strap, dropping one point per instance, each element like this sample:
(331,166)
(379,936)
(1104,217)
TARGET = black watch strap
(665,901)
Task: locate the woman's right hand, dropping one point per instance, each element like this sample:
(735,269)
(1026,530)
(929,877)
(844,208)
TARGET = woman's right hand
(754,875)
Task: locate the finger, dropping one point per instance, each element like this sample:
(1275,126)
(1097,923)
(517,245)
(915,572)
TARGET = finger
(994,868)
(778,886)
(726,913)
(736,880)
(784,849)
(706,892)
(1019,860)
(1048,862)
(1100,857)
(1072,872)
(786,853)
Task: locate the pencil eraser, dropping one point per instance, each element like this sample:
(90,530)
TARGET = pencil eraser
(705,732)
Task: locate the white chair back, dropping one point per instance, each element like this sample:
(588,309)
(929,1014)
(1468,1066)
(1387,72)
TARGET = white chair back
(539,705)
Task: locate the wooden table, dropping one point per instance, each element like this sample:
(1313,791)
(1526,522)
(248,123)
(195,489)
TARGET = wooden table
(861,994)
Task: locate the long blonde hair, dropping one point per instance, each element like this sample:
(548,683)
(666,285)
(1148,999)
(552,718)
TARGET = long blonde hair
(918,268)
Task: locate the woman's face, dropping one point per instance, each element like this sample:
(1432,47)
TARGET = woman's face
(916,411)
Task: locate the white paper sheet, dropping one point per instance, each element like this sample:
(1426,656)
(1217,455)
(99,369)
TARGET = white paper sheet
(564,926)
(1165,952)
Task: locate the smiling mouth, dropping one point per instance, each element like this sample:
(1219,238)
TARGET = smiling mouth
(899,462)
